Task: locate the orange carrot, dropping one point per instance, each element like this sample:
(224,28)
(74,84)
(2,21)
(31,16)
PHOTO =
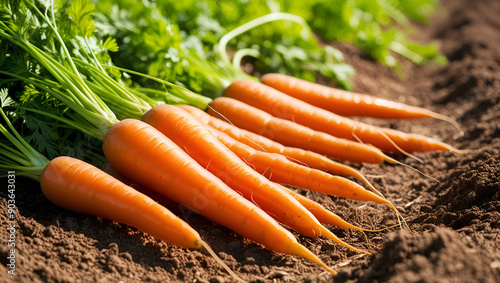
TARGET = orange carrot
(283,106)
(347,103)
(161,199)
(279,169)
(81,187)
(292,134)
(183,129)
(294,154)
(149,158)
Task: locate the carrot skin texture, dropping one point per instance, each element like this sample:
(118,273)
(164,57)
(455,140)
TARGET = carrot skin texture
(81,187)
(322,214)
(161,199)
(261,143)
(291,134)
(209,152)
(279,169)
(342,102)
(286,107)
(183,129)
(240,114)
(149,158)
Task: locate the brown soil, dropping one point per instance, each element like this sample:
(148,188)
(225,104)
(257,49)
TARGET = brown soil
(455,221)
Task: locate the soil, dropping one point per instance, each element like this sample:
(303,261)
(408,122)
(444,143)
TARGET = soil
(454,219)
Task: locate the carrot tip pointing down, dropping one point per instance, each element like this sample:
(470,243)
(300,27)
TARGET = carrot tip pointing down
(300,250)
(328,234)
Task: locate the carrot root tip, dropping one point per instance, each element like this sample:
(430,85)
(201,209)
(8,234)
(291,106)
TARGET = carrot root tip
(214,255)
(328,234)
(302,251)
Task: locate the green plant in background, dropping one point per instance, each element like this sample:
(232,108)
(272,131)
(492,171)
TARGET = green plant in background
(377,27)
(167,34)
(158,37)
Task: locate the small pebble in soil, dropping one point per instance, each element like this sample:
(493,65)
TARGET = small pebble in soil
(264,269)
(88,257)
(217,279)
(277,274)
(83,266)
(49,232)
(125,255)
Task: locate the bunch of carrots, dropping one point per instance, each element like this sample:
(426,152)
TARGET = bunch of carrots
(228,163)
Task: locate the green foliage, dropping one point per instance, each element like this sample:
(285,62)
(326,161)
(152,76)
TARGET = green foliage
(32,109)
(375,26)
(37,68)
(56,55)
(80,11)
(155,35)
(5,99)
(162,38)
(66,90)
(110,44)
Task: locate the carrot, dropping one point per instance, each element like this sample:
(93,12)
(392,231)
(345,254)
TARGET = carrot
(278,169)
(183,129)
(347,103)
(283,106)
(294,154)
(81,187)
(149,158)
(292,134)
(78,186)
(161,199)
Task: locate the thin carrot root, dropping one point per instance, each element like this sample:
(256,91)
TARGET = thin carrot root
(381,229)
(328,234)
(399,148)
(219,261)
(449,120)
(339,222)
(344,224)
(401,221)
(300,250)
(394,161)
